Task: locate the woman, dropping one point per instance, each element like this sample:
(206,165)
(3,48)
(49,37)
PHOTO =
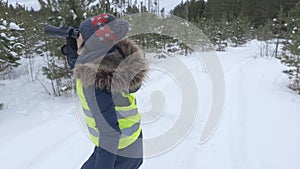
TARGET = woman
(107,74)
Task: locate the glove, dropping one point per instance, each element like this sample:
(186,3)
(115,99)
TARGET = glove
(70,50)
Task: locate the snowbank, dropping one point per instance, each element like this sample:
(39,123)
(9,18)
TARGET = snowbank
(14,26)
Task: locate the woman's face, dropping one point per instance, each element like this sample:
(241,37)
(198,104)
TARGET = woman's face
(79,44)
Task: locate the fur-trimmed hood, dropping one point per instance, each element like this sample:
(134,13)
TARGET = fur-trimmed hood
(123,70)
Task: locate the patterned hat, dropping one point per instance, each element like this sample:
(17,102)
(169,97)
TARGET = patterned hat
(102,31)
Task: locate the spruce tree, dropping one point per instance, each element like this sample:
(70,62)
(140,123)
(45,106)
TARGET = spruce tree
(55,68)
(190,10)
(279,28)
(64,13)
(10,47)
(291,49)
(239,30)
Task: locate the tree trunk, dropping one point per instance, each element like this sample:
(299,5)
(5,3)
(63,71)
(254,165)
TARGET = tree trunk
(276,49)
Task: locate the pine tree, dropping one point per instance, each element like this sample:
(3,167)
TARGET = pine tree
(10,47)
(132,9)
(222,34)
(63,13)
(190,10)
(239,30)
(214,9)
(291,49)
(279,28)
(29,38)
(231,8)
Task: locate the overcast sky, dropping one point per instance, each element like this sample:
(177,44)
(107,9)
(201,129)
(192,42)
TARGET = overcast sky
(29,3)
(168,4)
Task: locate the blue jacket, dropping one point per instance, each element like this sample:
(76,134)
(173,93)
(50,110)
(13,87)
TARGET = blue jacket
(123,70)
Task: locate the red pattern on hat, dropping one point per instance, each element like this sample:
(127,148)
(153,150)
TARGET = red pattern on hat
(102,31)
(100,18)
(106,34)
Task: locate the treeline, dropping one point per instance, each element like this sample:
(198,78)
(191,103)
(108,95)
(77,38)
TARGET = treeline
(258,11)
(225,22)
(234,22)
(237,21)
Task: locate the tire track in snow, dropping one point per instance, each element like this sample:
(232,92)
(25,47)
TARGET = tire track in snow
(234,77)
(239,111)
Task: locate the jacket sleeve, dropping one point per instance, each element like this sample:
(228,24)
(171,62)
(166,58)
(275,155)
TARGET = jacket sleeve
(72,58)
(71,49)
(108,127)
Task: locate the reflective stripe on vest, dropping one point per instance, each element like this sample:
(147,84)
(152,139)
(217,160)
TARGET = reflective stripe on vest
(128,118)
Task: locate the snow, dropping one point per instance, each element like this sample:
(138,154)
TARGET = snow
(4,22)
(14,26)
(12,38)
(3,35)
(2,27)
(260,128)
(13,53)
(34,4)
(93,4)
(73,14)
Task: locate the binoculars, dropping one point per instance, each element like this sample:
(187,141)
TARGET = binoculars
(62,32)
(70,34)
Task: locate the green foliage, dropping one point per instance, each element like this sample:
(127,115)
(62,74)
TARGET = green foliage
(291,50)
(258,11)
(10,47)
(1,106)
(132,9)
(217,25)
(239,30)
(235,30)
(190,10)
(217,32)
(56,68)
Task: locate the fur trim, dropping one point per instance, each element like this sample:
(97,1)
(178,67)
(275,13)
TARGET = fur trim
(115,72)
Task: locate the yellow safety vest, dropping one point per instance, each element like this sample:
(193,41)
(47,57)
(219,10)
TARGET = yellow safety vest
(128,118)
